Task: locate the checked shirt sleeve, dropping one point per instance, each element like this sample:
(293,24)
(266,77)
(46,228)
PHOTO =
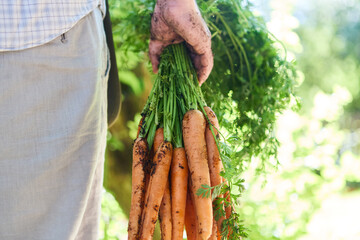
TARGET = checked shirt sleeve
(29,23)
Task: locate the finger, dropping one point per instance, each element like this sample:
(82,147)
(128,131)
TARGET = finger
(192,28)
(203,64)
(155,49)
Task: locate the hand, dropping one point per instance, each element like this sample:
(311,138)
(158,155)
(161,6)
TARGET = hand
(174,21)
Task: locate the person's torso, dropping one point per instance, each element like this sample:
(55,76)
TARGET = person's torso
(25,24)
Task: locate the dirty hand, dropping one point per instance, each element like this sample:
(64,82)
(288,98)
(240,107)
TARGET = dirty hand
(175,21)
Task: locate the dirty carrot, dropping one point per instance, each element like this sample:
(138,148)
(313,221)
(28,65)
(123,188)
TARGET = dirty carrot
(165,215)
(159,139)
(158,178)
(212,150)
(195,147)
(228,208)
(140,153)
(214,160)
(179,184)
(190,218)
(214,234)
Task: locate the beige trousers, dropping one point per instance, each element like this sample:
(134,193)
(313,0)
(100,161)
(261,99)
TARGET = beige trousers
(53,127)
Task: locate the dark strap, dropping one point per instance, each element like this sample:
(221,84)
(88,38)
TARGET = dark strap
(114,89)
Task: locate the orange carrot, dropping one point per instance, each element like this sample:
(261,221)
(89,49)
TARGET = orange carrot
(195,147)
(214,234)
(158,140)
(179,184)
(165,215)
(213,152)
(158,177)
(228,209)
(140,153)
(218,235)
(215,164)
(190,218)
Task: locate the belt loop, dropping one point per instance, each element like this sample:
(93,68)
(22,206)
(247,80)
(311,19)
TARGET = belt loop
(63,38)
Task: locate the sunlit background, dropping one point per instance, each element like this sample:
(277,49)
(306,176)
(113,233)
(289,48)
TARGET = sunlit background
(314,194)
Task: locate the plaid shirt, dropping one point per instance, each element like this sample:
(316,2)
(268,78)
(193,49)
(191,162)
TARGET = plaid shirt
(29,23)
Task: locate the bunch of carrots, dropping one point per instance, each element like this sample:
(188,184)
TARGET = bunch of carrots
(175,157)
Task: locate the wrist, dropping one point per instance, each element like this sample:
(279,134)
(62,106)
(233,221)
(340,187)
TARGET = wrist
(180,4)
(176,1)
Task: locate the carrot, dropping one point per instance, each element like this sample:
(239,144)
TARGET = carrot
(190,218)
(215,164)
(179,185)
(218,235)
(140,153)
(158,177)
(213,152)
(140,126)
(195,148)
(165,215)
(159,139)
(214,234)
(228,209)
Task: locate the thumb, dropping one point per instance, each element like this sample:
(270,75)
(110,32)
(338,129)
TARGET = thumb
(155,49)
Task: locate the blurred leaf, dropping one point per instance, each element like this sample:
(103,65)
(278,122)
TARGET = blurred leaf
(130,79)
